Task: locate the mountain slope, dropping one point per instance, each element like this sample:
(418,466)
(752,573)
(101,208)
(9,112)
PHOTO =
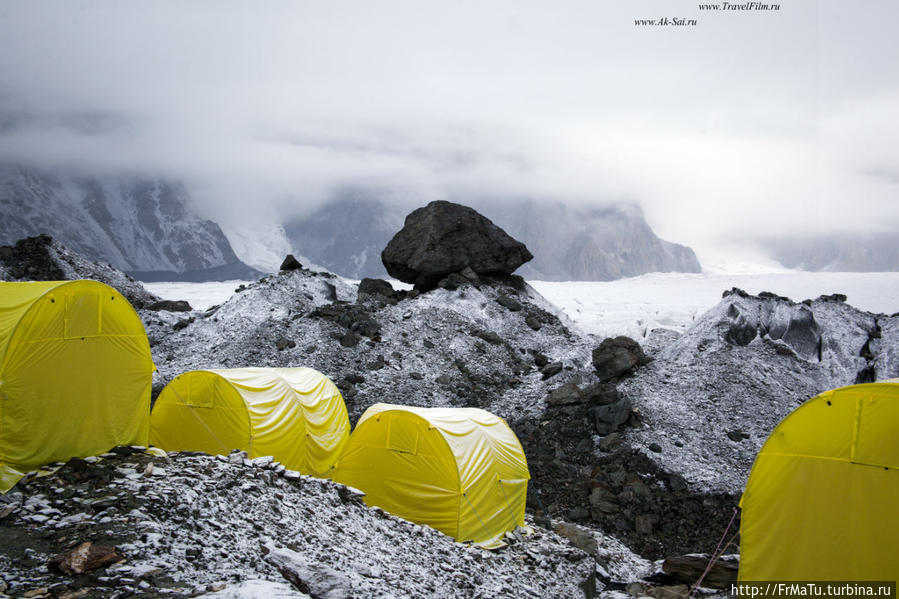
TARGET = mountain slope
(872,252)
(141,226)
(569,243)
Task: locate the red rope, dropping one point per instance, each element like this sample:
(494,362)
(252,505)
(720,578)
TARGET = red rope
(716,555)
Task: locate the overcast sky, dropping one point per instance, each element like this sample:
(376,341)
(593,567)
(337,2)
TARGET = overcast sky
(749,122)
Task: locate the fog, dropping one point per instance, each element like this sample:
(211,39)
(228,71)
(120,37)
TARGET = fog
(748,124)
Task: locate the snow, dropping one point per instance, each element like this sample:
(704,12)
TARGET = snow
(200,296)
(636,305)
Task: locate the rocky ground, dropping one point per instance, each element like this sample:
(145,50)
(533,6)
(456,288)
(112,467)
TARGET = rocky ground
(42,258)
(187,525)
(635,453)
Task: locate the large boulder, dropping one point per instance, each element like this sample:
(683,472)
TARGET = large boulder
(616,357)
(443,238)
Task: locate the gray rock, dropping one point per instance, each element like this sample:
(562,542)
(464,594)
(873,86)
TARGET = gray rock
(580,537)
(284,343)
(379,287)
(490,337)
(452,282)
(551,370)
(533,322)
(688,569)
(509,303)
(608,418)
(170,306)
(601,394)
(610,442)
(313,577)
(349,339)
(443,238)
(616,357)
(568,393)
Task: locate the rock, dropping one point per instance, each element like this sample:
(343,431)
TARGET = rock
(170,306)
(284,343)
(540,360)
(291,263)
(533,322)
(377,364)
(616,357)
(470,275)
(655,447)
(608,418)
(509,303)
(551,370)
(644,524)
(443,238)
(737,435)
(578,513)
(603,501)
(601,394)
(452,282)
(610,442)
(568,393)
(349,339)
(84,558)
(182,324)
(39,592)
(677,591)
(580,537)
(741,330)
(313,577)
(688,569)
(379,287)
(489,336)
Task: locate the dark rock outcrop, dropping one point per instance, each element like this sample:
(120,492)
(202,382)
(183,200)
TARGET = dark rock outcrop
(443,238)
(42,258)
(291,263)
(617,357)
(377,287)
(171,306)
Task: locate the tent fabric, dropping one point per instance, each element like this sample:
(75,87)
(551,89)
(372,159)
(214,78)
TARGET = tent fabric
(296,415)
(75,374)
(822,497)
(459,470)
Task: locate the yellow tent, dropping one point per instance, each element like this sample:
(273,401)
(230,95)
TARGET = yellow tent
(459,470)
(75,374)
(822,500)
(296,415)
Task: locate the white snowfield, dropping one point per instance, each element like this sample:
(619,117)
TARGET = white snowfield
(635,306)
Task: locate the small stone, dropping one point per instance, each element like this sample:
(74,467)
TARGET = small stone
(263,461)
(509,303)
(85,557)
(284,343)
(349,339)
(489,336)
(655,447)
(37,592)
(737,435)
(610,442)
(533,322)
(215,587)
(551,370)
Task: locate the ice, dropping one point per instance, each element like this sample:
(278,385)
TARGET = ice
(636,305)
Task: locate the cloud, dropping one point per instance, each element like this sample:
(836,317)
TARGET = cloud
(745,125)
